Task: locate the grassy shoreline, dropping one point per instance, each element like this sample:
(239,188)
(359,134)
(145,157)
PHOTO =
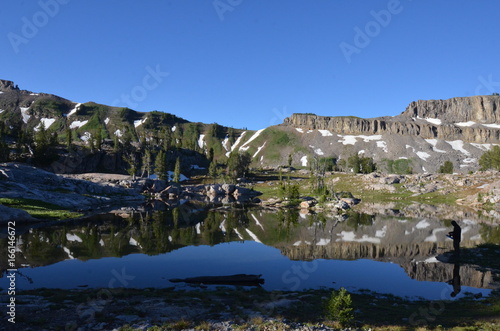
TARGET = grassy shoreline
(256,308)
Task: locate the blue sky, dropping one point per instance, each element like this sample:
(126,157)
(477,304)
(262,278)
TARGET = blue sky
(250,63)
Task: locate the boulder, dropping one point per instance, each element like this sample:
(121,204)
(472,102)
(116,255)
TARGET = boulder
(394,179)
(243,191)
(350,201)
(228,188)
(342,205)
(214,190)
(307,204)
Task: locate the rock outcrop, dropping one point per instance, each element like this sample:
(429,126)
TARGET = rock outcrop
(480,109)
(6,85)
(27,182)
(470,119)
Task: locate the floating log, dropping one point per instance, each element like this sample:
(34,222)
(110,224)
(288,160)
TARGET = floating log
(239,279)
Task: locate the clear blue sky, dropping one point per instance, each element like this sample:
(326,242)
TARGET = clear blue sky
(250,63)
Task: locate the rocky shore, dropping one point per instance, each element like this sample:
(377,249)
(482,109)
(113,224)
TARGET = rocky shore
(21,181)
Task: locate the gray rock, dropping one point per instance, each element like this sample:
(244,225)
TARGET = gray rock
(11,214)
(228,188)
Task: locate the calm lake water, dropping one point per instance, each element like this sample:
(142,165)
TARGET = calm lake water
(391,255)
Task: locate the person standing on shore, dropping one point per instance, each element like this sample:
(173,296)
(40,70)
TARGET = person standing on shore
(456,235)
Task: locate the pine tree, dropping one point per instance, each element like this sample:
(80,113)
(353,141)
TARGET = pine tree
(146,163)
(98,139)
(490,159)
(69,140)
(212,170)
(4,147)
(210,155)
(177,170)
(161,165)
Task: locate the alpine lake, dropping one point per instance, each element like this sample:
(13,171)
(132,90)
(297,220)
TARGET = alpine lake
(291,250)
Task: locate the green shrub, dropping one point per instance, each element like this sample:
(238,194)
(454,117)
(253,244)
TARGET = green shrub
(339,307)
(399,167)
(490,159)
(446,168)
(288,190)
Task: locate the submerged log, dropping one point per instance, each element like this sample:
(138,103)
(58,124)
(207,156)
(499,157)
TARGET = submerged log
(239,279)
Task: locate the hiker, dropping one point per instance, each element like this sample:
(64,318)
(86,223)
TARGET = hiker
(456,235)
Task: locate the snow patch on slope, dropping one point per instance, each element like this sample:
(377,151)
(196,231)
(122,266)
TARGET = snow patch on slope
(458,145)
(47,122)
(74,110)
(423,155)
(77,124)
(483,147)
(258,149)
(303,161)
(351,140)
(433,142)
(245,146)
(469,123)
(383,145)
(24,114)
(325,133)
(225,142)
(140,122)
(201,142)
(236,143)
(494,126)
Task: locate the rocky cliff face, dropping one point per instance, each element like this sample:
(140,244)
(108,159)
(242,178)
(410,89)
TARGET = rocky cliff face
(427,133)
(6,85)
(480,109)
(470,119)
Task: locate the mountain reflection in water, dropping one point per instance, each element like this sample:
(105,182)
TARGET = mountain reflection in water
(292,251)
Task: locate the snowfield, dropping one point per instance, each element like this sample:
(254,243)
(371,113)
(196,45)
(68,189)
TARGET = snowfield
(201,142)
(383,145)
(458,145)
(245,146)
(47,122)
(483,147)
(433,142)
(24,114)
(74,110)
(236,143)
(140,122)
(77,124)
(258,149)
(435,121)
(351,140)
(303,161)
(325,133)
(86,136)
(225,142)
(423,155)
(470,123)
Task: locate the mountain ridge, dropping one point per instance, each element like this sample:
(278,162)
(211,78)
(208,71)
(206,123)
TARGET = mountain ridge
(427,133)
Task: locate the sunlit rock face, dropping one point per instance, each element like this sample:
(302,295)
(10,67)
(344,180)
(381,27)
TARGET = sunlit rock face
(471,119)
